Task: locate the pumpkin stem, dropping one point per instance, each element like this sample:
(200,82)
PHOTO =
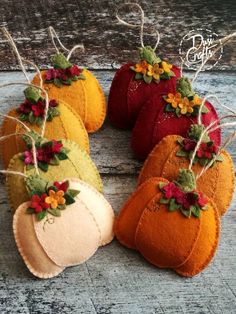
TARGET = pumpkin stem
(149,55)
(196,131)
(36,184)
(60,62)
(33,94)
(186,180)
(184,87)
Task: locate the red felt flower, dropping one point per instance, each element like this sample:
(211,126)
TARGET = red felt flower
(25,107)
(202,201)
(74,70)
(189,144)
(51,74)
(53,103)
(56,146)
(38,203)
(61,186)
(28,157)
(38,109)
(171,190)
(206,151)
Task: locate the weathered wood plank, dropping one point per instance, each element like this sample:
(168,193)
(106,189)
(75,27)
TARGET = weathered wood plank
(117,280)
(106,42)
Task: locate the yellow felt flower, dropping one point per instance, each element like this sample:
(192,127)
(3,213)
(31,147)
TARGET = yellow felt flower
(55,198)
(196,101)
(155,71)
(185,106)
(141,67)
(173,99)
(166,66)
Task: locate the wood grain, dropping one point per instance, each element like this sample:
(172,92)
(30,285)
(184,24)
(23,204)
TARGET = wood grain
(107,43)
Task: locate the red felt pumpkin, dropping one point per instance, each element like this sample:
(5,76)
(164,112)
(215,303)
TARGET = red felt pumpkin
(154,123)
(134,84)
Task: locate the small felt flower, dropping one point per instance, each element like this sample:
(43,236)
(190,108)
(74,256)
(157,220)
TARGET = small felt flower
(55,198)
(56,146)
(196,101)
(53,103)
(171,190)
(51,74)
(141,67)
(202,201)
(185,106)
(157,71)
(189,144)
(28,157)
(25,107)
(166,67)
(38,109)
(173,99)
(206,151)
(61,186)
(38,203)
(74,70)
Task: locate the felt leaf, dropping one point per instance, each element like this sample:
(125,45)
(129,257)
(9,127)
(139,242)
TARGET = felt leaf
(164,201)
(171,74)
(181,153)
(138,76)
(82,77)
(31,117)
(164,76)
(55,161)
(219,158)
(23,117)
(147,79)
(41,215)
(39,121)
(186,213)
(162,184)
(55,212)
(69,199)
(195,211)
(43,166)
(62,156)
(61,207)
(57,82)
(73,193)
(169,108)
(67,82)
(205,109)
(173,205)
(33,94)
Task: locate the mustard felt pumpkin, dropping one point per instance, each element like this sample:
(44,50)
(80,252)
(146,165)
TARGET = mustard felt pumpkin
(79,88)
(173,152)
(56,160)
(62,122)
(171,224)
(63,225)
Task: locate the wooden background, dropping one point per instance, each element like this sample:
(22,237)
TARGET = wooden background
(115,279)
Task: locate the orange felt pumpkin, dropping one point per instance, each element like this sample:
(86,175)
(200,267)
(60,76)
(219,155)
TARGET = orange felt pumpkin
(217,182)
(84,95)
(67,125)
(160,230)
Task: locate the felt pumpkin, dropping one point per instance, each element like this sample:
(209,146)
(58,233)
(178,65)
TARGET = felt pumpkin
(61,226)
(173,152)
(56,160)
(171,224)
(134,84)
(77,87)
(169,114)
(63,122)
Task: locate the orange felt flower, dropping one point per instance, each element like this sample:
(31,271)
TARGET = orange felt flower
(166,67)
(173,99)
(155,71)
(141,67)
(197,101)
(55,198)
(185,106)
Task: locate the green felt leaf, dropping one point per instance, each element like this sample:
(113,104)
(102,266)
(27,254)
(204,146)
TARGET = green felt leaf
(195,211)
(39,121)
(169,108)
(147,79)
(179,141)
(165,76)
(138,76)
(61,207)
(161,184)
(24,117)
(29,167)
(220,158)
(69,199)
(132,68)
(67,82)
(55,212)
(33,94)
(29,210)
(164,201)
(171,74)
(60,62)
(181,153)
(65,150)
(55,161)
(43,166)
(62,156)
(186,213)
(57,83)
(81,77)
(41,215)
(73,193)
(31,117)
(205,109)
(178,112)
(173,205)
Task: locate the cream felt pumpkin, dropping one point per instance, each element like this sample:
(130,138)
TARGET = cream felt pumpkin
(65,228)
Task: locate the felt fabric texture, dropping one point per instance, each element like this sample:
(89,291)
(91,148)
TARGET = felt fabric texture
(68,126)
(70,239)
(78,165)
(166,239)
(98,206)
(153,124)
(206,244)
(129,216)
(84,96)
(35,258)
(127,95)
(217,183)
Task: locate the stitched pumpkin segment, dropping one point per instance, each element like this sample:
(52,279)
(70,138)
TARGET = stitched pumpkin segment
(34,256)
(78,165)
(164,162)
(128,218)
(166,239)
(154,123)
(84,96)
(206,244)
(67,125)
